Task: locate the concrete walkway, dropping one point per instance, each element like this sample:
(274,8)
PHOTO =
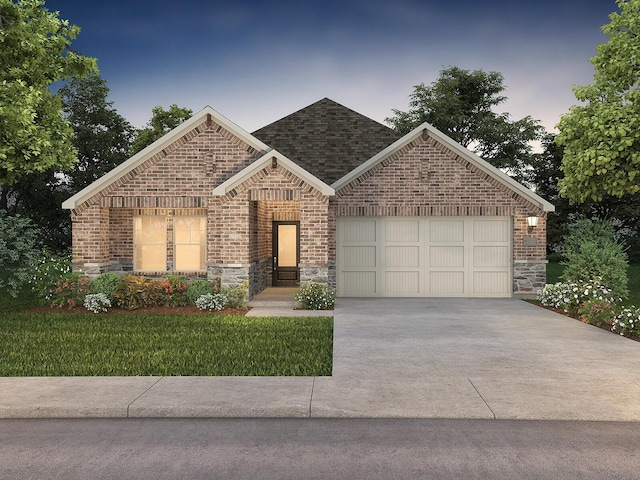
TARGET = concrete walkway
(415,358)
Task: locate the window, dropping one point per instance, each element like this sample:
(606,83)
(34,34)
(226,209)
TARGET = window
(190,233)
(150,243)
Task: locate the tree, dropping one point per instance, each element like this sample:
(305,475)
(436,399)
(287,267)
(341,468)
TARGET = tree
(601,138)
(622,213)
(162,122)
(101,136)
(460,104)
(102,139)
(35,53)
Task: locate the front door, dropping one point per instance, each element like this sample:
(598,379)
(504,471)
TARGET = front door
(286,254)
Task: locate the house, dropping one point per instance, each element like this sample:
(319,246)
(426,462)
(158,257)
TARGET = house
(323,194)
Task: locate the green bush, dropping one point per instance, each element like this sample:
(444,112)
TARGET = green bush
(315,296)
(19,252)
(107,283)
(237,297)
(592,251)
(49,269)
(70,291)
(197,289)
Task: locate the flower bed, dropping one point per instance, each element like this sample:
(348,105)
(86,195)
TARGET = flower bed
(592,303)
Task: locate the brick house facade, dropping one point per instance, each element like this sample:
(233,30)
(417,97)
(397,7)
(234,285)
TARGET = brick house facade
(211,200)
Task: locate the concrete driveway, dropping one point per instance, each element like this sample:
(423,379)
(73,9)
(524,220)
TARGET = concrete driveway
(475,358)
(412,358)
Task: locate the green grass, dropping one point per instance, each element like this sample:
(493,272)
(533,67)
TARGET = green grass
(554,270)
(63,344)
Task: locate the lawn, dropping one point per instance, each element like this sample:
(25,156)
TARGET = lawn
(61,344)
(554,270)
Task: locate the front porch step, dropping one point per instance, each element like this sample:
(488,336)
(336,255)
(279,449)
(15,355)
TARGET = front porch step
(274,303)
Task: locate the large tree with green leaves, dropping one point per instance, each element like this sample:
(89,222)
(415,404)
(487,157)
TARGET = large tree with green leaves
(461,104)
(101,136)
(162,122)
(34,54)
(601,137)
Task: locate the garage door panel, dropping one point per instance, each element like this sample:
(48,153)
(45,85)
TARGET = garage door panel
(490,283)
(359,256)
(446,256)
(402,283)
(402,231)
(446,231)
(402,256)
(359,283)
(491,256)
(358,231)
(446,283)
(491,231)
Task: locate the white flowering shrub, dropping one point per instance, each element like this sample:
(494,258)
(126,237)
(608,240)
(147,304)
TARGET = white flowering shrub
(315,296)
(211,302)
(570,296)
(50,268)
(627,322)
(97,302)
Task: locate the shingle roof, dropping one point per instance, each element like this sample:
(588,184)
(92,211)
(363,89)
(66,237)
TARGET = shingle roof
(327,139)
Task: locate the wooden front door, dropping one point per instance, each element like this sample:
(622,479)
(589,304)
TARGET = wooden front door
(286,254)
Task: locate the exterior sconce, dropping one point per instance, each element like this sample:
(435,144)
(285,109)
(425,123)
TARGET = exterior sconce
(532,221)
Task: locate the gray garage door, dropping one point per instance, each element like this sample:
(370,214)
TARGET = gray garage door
(424,257)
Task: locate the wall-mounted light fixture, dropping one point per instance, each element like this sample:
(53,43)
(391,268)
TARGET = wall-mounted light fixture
(532,221)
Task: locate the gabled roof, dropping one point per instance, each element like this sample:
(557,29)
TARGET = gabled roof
(463,152)
(160,144)
(266,161)
(327,139)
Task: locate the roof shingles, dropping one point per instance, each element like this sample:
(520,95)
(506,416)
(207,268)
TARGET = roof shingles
(327,139)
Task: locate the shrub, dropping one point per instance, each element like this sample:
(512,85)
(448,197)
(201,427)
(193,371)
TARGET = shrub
(48,270)
(569,296)
(627,322)
(592,251)
(135,292)
(197,289)
(236,296)
(211,301)
(106,283)
(19,252)
(70,291)
(600,313)
(315,296)
(97,302)
(171,291)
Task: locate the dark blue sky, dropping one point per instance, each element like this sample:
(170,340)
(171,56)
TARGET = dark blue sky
(256,61)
